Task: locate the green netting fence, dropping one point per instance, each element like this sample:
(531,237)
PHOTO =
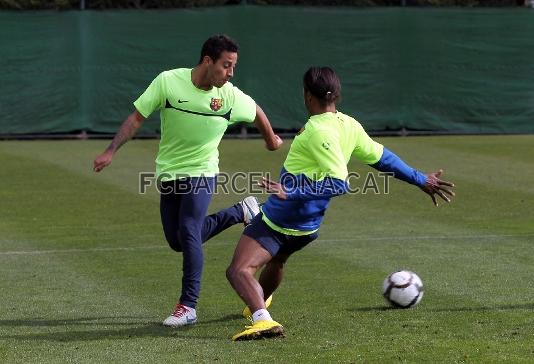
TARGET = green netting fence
(438,70)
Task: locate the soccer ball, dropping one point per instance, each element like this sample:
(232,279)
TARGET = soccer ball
(403,289)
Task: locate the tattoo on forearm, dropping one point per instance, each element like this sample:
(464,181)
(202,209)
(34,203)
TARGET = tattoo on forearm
(126,131)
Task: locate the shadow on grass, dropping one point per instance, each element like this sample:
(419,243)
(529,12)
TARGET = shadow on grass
(133,327)
(232,317)
(525,306)
(111,320)
(148,330)
(371,309)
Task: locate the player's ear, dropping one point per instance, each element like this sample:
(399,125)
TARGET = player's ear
(207,60)
(307,95)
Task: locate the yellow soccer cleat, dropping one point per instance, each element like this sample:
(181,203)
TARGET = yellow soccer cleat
(263,329)
(246,311)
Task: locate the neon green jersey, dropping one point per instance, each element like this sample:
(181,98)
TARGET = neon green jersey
(193,122)
(322,149)
(325,145)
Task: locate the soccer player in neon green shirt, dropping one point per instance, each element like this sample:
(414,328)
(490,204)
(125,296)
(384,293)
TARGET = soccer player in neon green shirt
(314,171)
(195,106)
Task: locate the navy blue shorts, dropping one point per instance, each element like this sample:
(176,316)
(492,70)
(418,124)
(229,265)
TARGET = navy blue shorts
(275,242)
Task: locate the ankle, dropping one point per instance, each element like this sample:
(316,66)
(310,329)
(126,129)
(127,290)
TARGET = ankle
(261,314)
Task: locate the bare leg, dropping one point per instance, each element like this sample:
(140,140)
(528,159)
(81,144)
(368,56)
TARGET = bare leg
(249,256)
(271,276)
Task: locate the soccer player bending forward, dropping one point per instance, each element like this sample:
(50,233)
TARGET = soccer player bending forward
(314,171)
(196,105)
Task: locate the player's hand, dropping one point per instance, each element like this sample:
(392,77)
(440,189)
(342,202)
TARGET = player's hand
(435,186)
(277,143)
(103,160)
(272,187)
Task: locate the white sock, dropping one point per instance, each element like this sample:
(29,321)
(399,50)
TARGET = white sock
(261,314)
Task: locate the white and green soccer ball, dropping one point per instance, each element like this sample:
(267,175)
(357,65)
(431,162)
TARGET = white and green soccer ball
(403,289)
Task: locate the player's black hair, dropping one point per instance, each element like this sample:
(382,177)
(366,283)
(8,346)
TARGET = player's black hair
(215,45)
(323,83)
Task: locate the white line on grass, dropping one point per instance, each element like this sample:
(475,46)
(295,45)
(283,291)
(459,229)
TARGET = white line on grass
(372,238)
(429,237)
(36,252)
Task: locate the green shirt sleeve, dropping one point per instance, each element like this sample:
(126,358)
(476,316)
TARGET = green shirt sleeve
(367,150)
(327,151)
(152,99)
(244,108)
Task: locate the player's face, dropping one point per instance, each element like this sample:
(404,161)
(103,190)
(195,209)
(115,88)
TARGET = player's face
(222,70)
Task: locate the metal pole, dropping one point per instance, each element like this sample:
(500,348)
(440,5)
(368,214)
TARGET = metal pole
(82,4)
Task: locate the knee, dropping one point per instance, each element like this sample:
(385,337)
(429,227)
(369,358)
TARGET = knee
(175,245)
(234,273)
(174,242)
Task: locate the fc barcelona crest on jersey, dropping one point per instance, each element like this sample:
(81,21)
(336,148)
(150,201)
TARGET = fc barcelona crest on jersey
(216,104)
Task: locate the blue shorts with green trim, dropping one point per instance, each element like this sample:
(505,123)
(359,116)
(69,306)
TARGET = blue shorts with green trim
(275,242)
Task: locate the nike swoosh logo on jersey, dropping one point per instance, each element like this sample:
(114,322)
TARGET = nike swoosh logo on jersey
(182,101)
(225,116)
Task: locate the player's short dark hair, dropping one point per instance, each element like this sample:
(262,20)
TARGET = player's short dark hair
(215,45)
(323,83)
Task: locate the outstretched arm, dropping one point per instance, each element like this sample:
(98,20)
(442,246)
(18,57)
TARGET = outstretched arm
(127,130)
(429,183)
(272,141)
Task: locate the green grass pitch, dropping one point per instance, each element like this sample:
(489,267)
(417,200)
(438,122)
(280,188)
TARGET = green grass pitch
(87,277)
